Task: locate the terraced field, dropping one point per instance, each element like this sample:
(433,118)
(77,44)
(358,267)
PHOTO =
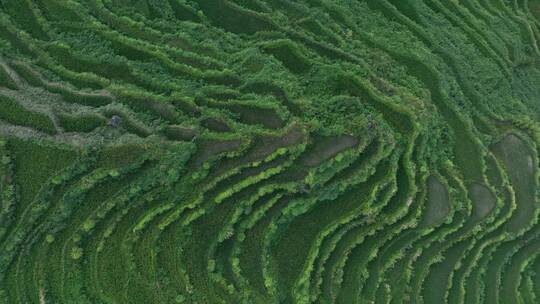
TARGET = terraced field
(269,151)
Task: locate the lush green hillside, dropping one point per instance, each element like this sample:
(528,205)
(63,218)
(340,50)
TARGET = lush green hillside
(269,151)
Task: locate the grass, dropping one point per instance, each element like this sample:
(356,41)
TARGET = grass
(83,123)
(14,113)
(34,164)
(269,151)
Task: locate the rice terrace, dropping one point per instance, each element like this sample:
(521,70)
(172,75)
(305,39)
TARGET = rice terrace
(269,151)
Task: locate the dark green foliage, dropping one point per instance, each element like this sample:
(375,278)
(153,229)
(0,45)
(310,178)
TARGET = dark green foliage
(13,112)
(34,164)
(81,123)
(269,151)
(289,54)
(6,80)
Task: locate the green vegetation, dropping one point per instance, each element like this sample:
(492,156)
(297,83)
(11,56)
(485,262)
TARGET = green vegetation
(80,123)
(14,113)
(269,151)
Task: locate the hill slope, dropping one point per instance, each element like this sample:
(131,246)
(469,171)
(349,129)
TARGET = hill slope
(269,151)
